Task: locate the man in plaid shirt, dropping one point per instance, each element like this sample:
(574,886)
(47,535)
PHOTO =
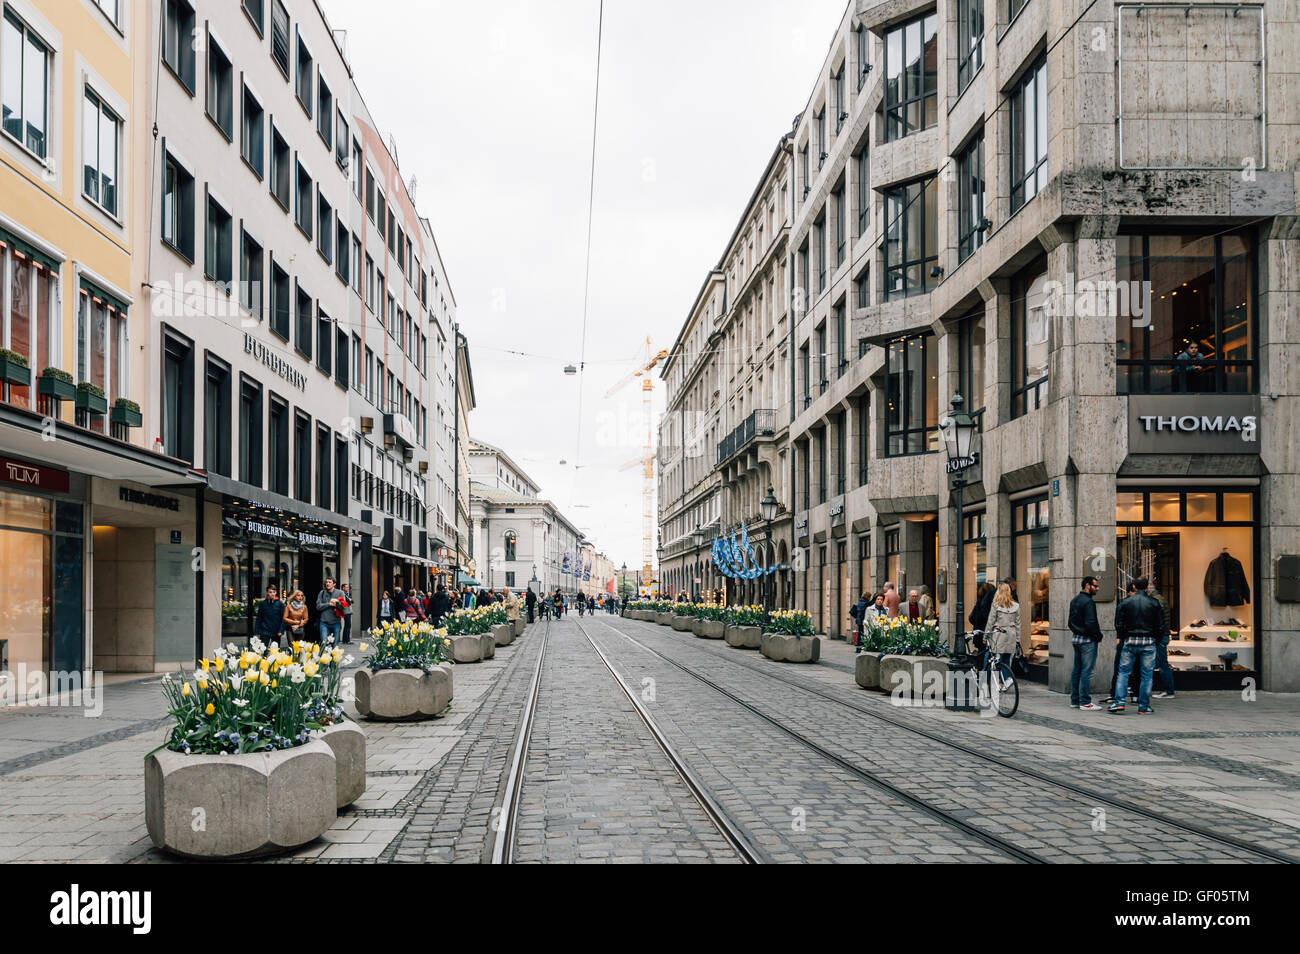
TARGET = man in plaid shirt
(1085,635)
(1139,622)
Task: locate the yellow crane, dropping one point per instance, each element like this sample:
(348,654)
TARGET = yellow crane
(647,361)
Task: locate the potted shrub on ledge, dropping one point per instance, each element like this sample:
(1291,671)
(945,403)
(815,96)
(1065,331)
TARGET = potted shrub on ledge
(125,411)
(90,398)
(407,677)
(789,637)
(13,368)
(241,773)
(57,384)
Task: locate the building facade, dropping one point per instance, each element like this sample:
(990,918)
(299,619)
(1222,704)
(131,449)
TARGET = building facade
(1085,225)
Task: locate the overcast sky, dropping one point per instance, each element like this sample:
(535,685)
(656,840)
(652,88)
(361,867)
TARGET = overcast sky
(491,107)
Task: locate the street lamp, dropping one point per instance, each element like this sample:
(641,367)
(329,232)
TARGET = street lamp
(959,437)
(698,534)
(767,508)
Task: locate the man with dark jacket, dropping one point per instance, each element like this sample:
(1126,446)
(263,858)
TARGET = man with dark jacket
(979,614)
(1138,622)
(1085,634)
(531,602)
(269,623)
(439,606)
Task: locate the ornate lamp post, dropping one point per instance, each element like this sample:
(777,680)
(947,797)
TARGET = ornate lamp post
(767,508)
(959,438)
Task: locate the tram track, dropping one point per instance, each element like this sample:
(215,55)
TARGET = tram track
(1091,794)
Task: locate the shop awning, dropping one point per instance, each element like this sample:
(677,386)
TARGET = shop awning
(258,497)
(466,580)
(27,249)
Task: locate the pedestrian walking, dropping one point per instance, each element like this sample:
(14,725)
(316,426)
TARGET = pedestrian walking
(858,611)
(414,607)
(347,612)
(1085,634)
(328,605)
(387,609)
(295,615)
(530,601)
(511,603)
(439,606)
(1138,622)
(268,625)
(979,614)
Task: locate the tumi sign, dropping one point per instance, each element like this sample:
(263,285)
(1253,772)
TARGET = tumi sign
(1193,424)
(34,476)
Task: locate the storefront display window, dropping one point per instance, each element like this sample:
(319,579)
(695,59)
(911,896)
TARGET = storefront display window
(892,558)
(975,556)
(1197,548)
(41,603)
(1029,554)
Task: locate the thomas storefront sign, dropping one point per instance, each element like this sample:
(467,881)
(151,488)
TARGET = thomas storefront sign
(1181,424)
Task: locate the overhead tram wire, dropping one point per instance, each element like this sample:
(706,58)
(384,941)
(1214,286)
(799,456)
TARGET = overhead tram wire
(586,280)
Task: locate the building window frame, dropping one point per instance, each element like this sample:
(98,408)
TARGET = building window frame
(1027,178)
(911,96)
(903,214)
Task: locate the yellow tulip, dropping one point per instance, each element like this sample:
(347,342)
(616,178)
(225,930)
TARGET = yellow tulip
(203,685)
(219,664)
(210,709)
(264,679)
(185,689)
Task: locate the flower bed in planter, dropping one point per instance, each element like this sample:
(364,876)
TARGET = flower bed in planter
(14,369)
(125,412)
(56,383)
(90,398)
(407,678)
(472,634)
(902,657)
(242,750)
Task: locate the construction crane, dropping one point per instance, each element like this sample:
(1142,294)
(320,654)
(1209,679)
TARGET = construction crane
(648,359)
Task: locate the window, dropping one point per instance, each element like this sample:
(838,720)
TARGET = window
(864,67)
(863,408)
(837,89)
(25,89)
(280,319)
(277,439)
(178,40)
(354,365)
(178,396)
(370,283)
(970,365)
(218,237)
(911,77)
(1029,319)
(216,418)
(370,195)
(819,251)
(280,37)
(281,168)
(256,10)
(864,191)
(821,358)
(324,446)
(341,140)
(912,390)
(302,456)
(354,264)
(221,85)
(250,431)
(510,546)
(250,275)
(29,327)
(841,226)
(1029,135)
(863,285)
(1014,7)
(975,545)
(839,316)
(1195,331)
(304,334)
(325,113)
(324,227)
(804,171)
(970,198)
(100,134)
(110,10)
(304,78)
(340,475)
(178,207)
(342,248)
(911,238)
(970,40)
(324,341)
(303,200)
(101,335)
(1030,558)
(251,147)
(370,375)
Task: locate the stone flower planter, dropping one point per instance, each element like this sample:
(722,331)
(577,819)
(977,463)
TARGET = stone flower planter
(348,743)
(256,804)
(744,637)
(402,695)
(914,677)
(866,670)
(683,624)
(710,628)
(471,649)
(518,625)
(503,633)
(664,619)
(795,649)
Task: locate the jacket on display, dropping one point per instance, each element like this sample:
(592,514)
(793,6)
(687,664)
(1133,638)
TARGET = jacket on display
(1225,581)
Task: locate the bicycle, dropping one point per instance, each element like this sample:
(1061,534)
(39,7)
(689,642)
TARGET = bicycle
(997,684)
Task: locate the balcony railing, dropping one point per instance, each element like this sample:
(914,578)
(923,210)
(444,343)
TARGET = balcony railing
(761,423)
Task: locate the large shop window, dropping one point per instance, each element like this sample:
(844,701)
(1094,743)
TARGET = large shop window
(1029,568)
(1029,339)
(27,303)
(911,77)
(912,396)
(911,238)
(1196,547)
(41,612)
(256,553)
(1195,333)
(975,558)
(893,556)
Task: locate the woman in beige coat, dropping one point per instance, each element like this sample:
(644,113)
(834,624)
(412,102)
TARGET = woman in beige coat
(512,606)
(1003,627)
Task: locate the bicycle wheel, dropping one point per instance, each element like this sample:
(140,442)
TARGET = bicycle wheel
(1004,691)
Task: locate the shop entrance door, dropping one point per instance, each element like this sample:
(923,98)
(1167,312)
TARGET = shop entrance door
(311,575)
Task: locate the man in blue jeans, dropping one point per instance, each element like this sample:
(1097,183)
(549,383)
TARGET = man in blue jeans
(1085,634)
(331,613)
(1139,622)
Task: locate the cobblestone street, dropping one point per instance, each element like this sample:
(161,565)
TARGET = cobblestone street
(799,759)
